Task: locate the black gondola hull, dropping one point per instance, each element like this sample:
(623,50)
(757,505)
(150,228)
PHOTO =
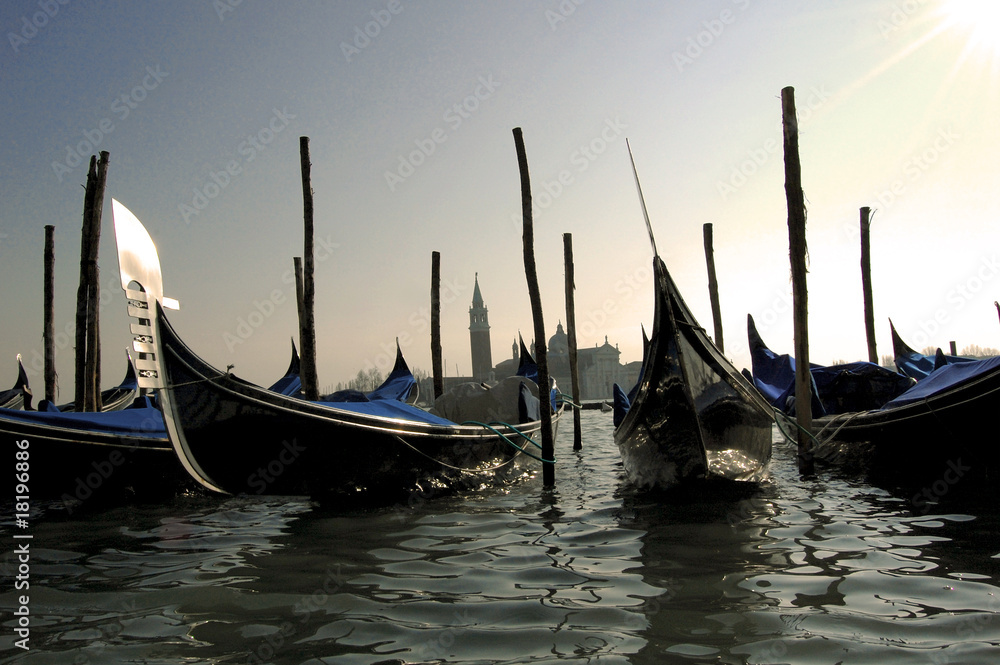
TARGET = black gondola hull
(242,439)
(922,439)
(694,417)
(74,464)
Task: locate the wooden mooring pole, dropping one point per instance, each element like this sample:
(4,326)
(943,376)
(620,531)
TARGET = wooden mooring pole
(300,308)
(713,286)
(437,366)
(574,368)
(49,314)
(88,358)
(797,250)
(307,318)
(866,282)
(531,273)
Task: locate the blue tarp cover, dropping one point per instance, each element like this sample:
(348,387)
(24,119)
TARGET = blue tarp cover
(622,404)
(919,366)
(390,409)
(858,386)
(143,422)
(945,378)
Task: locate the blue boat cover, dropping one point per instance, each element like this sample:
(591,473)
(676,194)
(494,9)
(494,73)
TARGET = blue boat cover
(385,408)
(145,421)
(846,388)
(397,385)
(622,404)
(918,366)
(944,379)
(290,384)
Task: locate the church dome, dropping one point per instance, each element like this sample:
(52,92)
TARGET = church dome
(559,343)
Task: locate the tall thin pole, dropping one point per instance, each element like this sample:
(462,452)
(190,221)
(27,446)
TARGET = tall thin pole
(299,304)
(531,273)
(83,291)
(93,323)
(797,251)
(49,314)
(87,365)
(713,286)
(866,282)
(437,366)
(307,321)
(574,368)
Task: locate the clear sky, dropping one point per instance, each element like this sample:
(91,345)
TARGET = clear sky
(409,108)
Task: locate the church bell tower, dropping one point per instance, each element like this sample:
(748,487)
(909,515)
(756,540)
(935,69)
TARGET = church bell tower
(479,335)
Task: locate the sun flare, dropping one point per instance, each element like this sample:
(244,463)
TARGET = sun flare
(978,21)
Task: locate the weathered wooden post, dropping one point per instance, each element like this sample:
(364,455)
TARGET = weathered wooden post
(531,273)
(437,366)
(953,347)
(866,282)
(49,314)
(574,368)
(88,359)
(713,286)
(300,308)
(307,320)
(797,250)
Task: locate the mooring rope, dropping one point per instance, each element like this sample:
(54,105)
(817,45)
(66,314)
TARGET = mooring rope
(449,466)
(504,438)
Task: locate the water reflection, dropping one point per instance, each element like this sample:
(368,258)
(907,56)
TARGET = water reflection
(788,571)
(824,570)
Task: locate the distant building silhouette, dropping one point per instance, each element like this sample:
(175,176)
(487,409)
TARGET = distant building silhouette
(600,367)
(479,336)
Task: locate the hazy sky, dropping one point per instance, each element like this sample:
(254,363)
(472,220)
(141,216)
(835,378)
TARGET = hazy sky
(409,108)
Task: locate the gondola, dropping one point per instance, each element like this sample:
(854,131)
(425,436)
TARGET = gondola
(945,420)
(694,417)
(234,437)
(20,393)
(106,454)
(917,365)
(114,454)
(112,399)
(843,388)
(938,424)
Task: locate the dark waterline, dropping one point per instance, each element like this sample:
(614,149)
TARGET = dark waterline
(826,570)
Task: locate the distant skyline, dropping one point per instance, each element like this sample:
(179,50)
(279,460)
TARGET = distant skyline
(409,108)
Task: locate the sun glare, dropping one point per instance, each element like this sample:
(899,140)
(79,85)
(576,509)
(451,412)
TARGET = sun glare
(978,21)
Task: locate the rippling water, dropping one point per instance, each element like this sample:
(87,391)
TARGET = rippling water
(827,570)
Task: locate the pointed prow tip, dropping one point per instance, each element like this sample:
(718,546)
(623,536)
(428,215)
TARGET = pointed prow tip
(642,201)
